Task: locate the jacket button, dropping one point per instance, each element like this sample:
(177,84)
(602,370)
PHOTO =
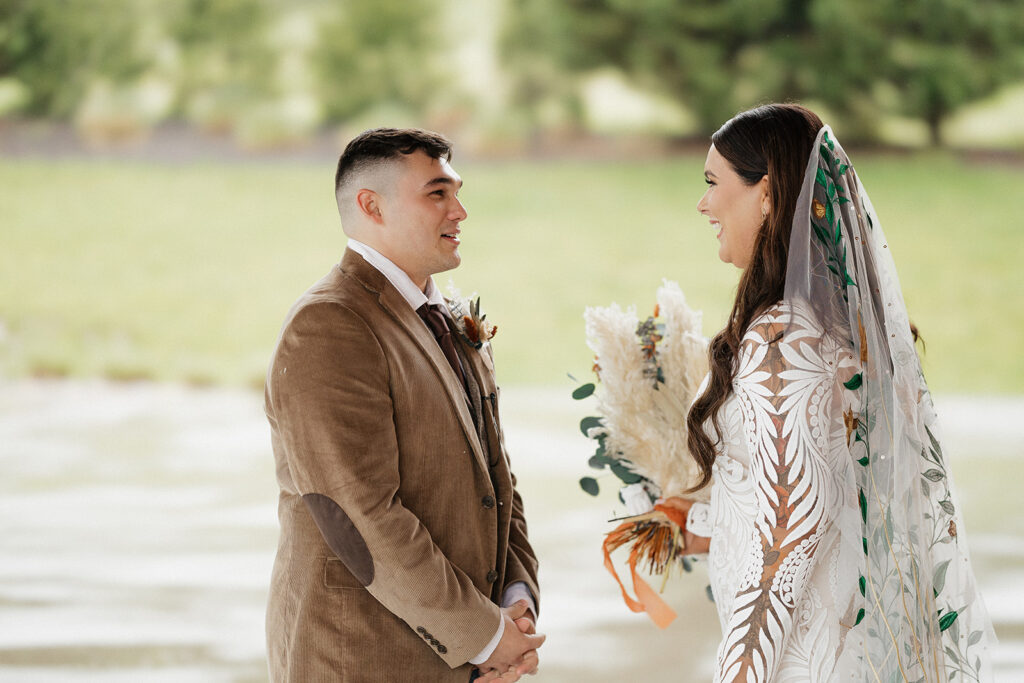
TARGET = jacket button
(488,502)
(420,629)
(492,396)
(442,649)
(492,576)
(433,642)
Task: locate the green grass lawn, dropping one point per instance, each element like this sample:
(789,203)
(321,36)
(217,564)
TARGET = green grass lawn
(135,270)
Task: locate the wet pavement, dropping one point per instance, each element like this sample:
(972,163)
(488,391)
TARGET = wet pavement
(138,526)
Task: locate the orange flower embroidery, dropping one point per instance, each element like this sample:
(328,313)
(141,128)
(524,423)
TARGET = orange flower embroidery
(852,422)
(818,208)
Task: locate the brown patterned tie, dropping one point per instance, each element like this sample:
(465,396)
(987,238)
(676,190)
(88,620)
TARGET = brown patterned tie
(438,323)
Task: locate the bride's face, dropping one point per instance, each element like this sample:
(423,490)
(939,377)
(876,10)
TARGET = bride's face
(733,207)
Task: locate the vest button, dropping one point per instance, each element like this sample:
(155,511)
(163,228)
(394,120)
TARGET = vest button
(487,502)
(492,576)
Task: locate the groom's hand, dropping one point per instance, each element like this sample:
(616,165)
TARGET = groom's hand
(516,653)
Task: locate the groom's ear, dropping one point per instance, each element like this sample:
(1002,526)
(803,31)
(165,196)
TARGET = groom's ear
(370,204)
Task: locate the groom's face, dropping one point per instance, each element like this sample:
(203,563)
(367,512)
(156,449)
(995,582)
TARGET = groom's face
(422,213)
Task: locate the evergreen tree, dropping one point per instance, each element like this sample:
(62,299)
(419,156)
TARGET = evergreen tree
(56,49)
(373,52)
(943,54)
(717,57)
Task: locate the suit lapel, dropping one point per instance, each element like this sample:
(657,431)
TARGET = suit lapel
(476,363)
(398,309)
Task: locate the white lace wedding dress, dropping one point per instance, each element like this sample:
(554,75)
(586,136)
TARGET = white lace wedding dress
(783,488)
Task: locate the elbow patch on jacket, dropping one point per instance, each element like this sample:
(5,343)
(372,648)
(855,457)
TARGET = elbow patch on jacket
(341,535)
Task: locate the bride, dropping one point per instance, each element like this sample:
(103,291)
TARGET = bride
(835,546)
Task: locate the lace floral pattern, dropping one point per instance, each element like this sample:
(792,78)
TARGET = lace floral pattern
(775,506)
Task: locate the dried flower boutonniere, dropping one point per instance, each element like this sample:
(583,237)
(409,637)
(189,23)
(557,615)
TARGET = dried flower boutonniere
(470,322)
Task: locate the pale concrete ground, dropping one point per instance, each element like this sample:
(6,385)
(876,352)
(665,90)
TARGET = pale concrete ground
(138,524)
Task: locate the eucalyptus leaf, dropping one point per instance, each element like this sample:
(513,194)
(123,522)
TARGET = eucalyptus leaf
(627,475)
(589,485)
(599,461)
(584,391)
(854,382)
(588,423)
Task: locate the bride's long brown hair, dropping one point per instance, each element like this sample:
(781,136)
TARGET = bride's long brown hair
(773,140)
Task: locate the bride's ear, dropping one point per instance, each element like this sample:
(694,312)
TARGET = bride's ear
(766,202)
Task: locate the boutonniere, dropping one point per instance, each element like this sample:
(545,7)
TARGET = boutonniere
(470,322)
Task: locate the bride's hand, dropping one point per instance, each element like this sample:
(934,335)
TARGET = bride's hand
(695,545)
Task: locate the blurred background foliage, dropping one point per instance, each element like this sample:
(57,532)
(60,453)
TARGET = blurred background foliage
(580,126)
(273,71)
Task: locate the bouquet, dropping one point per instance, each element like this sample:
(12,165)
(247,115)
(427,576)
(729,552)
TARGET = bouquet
(648,372)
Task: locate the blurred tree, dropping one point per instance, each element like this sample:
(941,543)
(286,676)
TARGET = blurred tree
(57,49)
(374,52)
(943,54)
(714,56)
(717,57)
(530,45)
(226,58)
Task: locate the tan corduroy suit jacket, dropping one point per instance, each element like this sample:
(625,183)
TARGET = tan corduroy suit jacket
(400,522)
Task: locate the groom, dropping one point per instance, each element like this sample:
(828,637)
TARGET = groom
(403,552)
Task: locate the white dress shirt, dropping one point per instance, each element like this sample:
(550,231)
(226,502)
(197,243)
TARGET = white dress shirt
(416,298)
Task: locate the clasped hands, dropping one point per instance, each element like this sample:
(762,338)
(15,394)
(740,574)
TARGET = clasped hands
(516,653)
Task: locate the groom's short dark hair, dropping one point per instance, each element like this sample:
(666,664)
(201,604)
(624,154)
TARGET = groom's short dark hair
(380,144)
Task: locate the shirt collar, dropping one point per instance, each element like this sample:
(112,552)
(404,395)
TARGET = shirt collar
(398,277)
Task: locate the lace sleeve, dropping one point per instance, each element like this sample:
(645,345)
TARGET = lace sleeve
(698,520)
(784,384)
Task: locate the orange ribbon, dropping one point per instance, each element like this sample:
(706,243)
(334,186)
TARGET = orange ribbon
(647,600)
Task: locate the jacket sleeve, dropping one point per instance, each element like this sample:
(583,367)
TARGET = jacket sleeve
(329,393)
(784,384)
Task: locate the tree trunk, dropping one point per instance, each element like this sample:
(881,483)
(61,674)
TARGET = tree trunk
(934,120)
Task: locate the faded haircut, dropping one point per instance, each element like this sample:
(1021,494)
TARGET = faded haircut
(382,145)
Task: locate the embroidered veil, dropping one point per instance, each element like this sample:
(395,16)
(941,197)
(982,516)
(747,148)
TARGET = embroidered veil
(920,617)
